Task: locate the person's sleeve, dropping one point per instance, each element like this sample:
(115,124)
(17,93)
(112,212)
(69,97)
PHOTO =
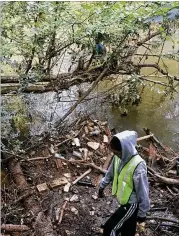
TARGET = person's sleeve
(108,176)
(142,189)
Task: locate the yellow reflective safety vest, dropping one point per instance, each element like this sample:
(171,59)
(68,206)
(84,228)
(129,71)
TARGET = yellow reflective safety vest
(123,182)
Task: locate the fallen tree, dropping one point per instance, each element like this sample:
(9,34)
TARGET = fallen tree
(45,84)
(42,225)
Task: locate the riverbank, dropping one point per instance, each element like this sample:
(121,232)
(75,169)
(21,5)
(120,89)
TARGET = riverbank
(51,182)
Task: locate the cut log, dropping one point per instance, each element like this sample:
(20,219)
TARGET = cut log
(14,228)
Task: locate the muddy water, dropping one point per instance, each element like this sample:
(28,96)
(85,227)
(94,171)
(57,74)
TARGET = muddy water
(157,111)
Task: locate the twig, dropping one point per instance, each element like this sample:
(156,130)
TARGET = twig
(82,162)
(159,209)
(68,139)
(159,69)
(147,38)
(82,176)
(172,165)
(162,219)
(167,233)
(173,225)
(174,194)
(23,196)
(62,212)
(12,155)
(155,82)
(71,161)
(38,158)
(163,179)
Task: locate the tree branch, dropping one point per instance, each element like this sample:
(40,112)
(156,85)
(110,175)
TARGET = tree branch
(159,69)
(83,97)
(148,38)
(155,82)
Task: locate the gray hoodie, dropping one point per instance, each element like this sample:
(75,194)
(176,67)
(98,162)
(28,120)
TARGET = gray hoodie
(140,194)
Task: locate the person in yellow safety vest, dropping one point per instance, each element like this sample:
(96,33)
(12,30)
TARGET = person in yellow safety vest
(128,172)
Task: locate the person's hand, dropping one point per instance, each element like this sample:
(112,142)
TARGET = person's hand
(101,193)
(141,219)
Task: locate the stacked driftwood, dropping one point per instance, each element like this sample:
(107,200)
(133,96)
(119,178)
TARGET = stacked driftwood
(83,149)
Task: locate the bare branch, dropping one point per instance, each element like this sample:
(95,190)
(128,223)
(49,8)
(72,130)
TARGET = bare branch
(155,82)
(159,69)
(148,38)
(83,97)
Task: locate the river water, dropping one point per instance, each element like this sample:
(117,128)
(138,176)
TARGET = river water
(157,111)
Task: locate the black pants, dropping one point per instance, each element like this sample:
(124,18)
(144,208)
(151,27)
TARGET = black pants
(123,221)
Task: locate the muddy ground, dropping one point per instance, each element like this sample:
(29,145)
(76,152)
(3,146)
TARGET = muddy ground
(84,212)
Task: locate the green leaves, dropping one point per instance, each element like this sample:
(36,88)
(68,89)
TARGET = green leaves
(49,26)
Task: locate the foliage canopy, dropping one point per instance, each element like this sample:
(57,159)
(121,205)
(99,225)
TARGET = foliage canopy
(40,32)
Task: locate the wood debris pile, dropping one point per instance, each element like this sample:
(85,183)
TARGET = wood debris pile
(53,189)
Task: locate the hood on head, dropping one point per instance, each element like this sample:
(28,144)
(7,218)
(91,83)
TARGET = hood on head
(128,141)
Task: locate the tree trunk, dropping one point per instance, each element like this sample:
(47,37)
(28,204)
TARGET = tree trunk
(39,87)
(43,225)
(63,81)
(29,63)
